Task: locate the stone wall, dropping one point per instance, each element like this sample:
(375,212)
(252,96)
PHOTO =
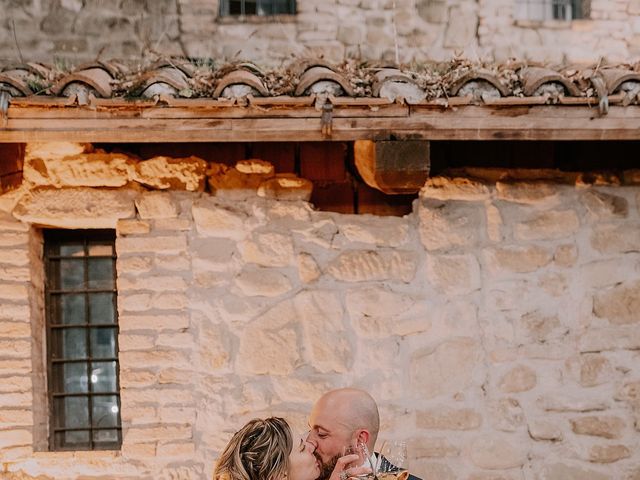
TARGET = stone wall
(497,325)
(74,31)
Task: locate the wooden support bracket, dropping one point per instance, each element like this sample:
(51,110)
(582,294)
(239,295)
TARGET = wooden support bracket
(393,166)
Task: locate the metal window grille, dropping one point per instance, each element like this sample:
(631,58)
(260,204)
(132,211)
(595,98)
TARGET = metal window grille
(82,340)
(565,10)
(257,7)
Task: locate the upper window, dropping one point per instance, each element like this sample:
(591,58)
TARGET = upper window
(82,334)
(257,7)
(565,10)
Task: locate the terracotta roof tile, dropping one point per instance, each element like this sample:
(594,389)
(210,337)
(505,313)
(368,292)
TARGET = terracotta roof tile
(248,84)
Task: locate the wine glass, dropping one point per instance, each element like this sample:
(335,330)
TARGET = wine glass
(393,460)
(364,458)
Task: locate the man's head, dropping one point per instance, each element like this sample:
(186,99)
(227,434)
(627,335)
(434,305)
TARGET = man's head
(340,418)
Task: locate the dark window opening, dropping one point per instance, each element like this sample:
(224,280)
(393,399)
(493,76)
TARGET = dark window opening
(257,7)
(82,340)
(564,10)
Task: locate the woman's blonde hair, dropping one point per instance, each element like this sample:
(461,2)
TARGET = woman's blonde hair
(258,451)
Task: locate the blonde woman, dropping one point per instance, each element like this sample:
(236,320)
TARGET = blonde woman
(265,450)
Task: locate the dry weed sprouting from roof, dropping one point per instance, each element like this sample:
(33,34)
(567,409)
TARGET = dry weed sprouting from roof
(435,78)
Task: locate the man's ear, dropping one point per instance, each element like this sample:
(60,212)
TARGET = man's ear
(362,436)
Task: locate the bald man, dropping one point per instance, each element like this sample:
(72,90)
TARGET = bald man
(339,418)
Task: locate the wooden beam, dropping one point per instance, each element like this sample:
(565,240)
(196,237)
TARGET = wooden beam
(247,124)
(395,167)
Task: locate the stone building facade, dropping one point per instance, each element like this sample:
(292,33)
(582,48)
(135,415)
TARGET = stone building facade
(75,31)
(497,324)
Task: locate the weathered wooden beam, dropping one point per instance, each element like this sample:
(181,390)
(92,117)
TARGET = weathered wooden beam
(236,124)
(395,166)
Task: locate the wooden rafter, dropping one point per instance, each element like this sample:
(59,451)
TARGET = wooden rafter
(207,121)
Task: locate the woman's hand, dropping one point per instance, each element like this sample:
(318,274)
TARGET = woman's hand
(344,469)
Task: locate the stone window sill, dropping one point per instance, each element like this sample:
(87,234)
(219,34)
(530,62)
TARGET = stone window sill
(256,19)
(554,24)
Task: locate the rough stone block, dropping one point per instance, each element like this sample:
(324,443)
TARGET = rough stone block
(566,255)
(370,265)
(450,225)
(154,205)
(549,225)
(454,274)
(506,414)
(286,187)
(308,269)
(15,274)
(155,358)
(615,338)
(608,453)
(495,224)
(268,250)
(619,304)
(14,257)
(216,220)
(434,448)
(13,291)
(15,329)
(602,205)
(154,283)
(562,471)
(15,438)
(172,173)
(158,245)
(517,259)
(572,403)
(375,311)
(15,348)
(589,369)
(263,283)
(611,239)
(518,379)
(132,227)
(598,426)
(496,452)
(163,433)
(97,169)
(458,188)
(240,182)
(545,430)
(372,230)
(324,331)
(445,369)
(76,207)
(541,327)
(446,418)
(13,239)
(528,193)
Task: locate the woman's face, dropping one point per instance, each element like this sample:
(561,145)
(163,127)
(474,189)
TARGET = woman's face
(303,464)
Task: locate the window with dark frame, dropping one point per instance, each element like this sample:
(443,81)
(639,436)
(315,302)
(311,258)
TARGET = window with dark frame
(564,10)
(257,7)
(82,340)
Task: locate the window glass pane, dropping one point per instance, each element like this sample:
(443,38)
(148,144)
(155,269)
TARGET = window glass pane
(101,308)
(73,440)
(103,342)
(74,343)
(71,308)
(103,377)
(105,411)
(71,274)
(235,7)
(100,249)
(108,437)
(72,412)
(72,250)
(71,377)
(101,273)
